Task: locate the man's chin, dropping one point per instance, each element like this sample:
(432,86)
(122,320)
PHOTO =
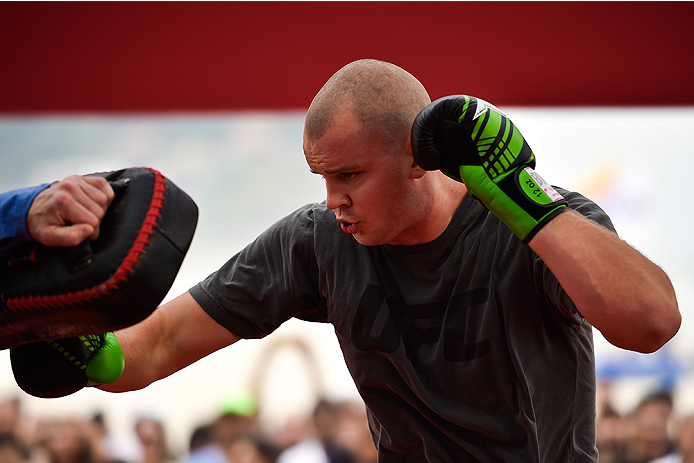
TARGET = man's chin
(363,237)
(367,240)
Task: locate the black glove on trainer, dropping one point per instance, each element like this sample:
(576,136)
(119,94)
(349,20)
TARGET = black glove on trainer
(473,142)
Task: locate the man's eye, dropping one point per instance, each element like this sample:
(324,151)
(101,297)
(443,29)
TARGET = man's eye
(349,175)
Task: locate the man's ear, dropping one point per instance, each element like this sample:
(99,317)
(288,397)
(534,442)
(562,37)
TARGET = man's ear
(417,172)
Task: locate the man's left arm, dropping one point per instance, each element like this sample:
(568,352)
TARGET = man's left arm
(616,288)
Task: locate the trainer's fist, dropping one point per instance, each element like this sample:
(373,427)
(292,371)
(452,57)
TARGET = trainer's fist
(69,211)
(472,141)
(61,367)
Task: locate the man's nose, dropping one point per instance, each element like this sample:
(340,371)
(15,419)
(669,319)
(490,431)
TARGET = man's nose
(336,197)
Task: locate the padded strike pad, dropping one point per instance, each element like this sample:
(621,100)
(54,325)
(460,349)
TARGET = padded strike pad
(106,284)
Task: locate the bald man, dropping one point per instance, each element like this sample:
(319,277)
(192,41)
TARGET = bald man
(466,343)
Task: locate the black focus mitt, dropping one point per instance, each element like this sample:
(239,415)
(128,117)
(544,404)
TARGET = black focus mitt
(103,285)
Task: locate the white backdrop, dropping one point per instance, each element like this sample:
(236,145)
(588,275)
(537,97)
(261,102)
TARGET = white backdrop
(246,170)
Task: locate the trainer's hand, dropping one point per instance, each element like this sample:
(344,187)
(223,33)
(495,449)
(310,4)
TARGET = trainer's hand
(69,211)
(472,141)
(61,367)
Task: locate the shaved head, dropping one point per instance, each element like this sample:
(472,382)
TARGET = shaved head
(384,99)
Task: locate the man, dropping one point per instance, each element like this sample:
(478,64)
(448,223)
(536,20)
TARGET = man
(466,343)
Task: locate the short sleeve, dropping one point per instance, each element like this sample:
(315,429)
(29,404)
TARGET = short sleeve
(270,281)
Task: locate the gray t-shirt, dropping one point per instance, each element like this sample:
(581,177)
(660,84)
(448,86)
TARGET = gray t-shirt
(463,349)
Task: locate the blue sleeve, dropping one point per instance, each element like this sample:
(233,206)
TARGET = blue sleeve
(14,207)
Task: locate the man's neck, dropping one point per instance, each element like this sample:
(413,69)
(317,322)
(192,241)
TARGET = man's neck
(445,196)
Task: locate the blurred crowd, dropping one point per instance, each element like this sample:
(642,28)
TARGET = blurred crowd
(651,432)
(336,432)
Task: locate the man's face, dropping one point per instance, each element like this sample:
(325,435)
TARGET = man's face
(371,191)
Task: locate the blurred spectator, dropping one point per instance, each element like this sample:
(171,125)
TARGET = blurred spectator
(684,444)
(10,411)
(68,441)
(12,450)
(648,437)
(321,446)
(152,437)
(203,448)
(353,433)
(108,445)
(610,426)
(12,421)
(96,427)
(610,435)
(200,438)
(212,443)
(294,430)
(238,417)
(252,449)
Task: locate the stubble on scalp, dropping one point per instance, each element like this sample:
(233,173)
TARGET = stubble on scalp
(384,98)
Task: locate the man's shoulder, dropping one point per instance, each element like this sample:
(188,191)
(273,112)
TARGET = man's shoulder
(315,215)
(586,207)
(314,212)
(314,222)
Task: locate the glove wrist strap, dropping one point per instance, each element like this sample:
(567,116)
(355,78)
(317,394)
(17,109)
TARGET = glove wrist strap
(522,200)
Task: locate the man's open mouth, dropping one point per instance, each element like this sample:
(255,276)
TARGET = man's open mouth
(349,227)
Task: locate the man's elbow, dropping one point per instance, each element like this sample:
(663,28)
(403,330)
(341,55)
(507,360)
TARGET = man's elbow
(663,326)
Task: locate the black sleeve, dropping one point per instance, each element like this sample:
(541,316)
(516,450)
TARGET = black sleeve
(272,280)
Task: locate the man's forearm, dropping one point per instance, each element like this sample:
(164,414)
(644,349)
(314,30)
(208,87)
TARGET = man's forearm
(176,335)
(143,363)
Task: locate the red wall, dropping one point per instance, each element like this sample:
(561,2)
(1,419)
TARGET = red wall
(159,56)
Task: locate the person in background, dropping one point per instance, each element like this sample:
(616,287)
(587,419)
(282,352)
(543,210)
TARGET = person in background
(203,448)
(252,448)
(67,440)
(12,420)
(684,443)
(12,450)
(353,432)
(322,444)
(647,429)
(610,425)
(151,434)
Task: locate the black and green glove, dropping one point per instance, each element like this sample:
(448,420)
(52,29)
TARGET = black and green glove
(473,142)
(60,367)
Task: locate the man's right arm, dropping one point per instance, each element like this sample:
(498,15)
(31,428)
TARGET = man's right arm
(176,335)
